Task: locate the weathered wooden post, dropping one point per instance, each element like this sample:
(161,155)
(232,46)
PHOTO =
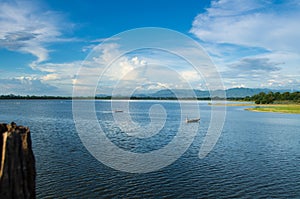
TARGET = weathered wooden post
(17,168)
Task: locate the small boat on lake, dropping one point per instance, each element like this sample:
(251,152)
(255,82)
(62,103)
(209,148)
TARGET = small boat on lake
(187,120)
(118,111)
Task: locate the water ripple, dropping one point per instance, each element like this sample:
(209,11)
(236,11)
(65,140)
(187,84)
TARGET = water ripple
(257,155)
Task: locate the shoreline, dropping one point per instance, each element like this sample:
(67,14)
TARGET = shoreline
(280,108)
(271,108)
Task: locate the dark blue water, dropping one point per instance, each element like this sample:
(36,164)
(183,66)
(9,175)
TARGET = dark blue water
(257,155)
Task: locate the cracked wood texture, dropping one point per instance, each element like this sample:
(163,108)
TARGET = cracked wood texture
(17,168)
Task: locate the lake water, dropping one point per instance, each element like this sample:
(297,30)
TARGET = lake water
(256,156)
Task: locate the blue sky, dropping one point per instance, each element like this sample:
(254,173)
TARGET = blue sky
(43,43)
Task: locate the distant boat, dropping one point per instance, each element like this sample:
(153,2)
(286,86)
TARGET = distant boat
(118,111)
(187,120)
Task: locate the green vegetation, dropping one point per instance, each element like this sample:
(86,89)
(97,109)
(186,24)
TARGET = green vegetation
(276,102)
(288,108)
(261,98)
(271,102)
(275,98)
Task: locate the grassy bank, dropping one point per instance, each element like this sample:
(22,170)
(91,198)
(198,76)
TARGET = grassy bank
(277,108)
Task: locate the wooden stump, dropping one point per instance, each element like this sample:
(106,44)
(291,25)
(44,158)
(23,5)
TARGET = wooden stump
(17,168)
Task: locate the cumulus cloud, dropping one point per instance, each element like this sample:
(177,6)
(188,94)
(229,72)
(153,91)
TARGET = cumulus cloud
(60,75)
(284,82)
(26,28)
(100,66)
(144,71)
(26,86)
(190,75)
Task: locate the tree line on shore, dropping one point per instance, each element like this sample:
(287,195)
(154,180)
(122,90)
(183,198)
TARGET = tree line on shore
(261,98)
(277,97)
(45,97)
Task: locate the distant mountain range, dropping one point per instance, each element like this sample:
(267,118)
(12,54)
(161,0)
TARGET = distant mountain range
(230,93)
(185,93)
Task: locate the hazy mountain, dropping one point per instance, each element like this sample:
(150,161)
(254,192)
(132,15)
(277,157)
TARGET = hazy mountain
(243,92)
(180,93)
(186,93)
(230,93)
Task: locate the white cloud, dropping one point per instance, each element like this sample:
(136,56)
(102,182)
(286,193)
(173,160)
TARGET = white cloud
(60,75)
(250,23)
(152,86)
(101,60)
(191,75)
(252,41)
(26,28)
(69,68)
(50,77)
(26,86)
(138,71)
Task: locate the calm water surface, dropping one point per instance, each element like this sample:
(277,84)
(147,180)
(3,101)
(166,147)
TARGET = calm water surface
(257,155)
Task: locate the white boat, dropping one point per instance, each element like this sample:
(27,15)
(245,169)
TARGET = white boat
(187,120)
